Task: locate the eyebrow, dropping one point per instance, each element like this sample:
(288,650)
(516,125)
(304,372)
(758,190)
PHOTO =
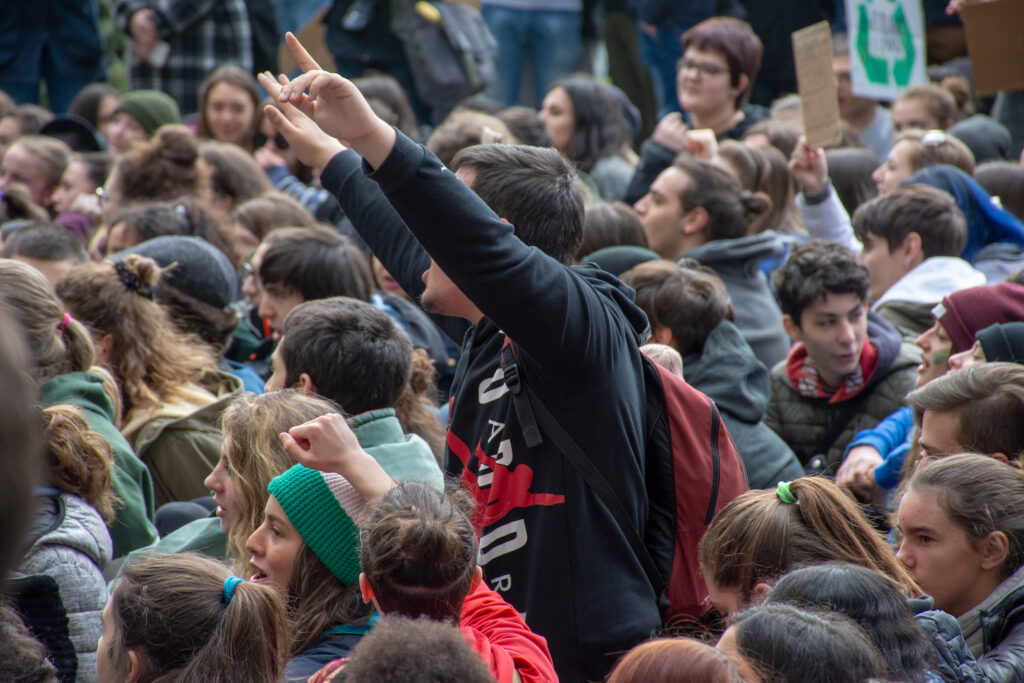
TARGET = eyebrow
(917,530)
(277,520)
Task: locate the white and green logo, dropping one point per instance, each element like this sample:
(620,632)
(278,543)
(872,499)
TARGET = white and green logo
(887,53)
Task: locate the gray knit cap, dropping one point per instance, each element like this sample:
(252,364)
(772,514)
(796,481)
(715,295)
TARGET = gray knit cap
(201,270)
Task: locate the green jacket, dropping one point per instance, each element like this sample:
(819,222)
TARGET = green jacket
(133,528)
(405,457)
(909,318)
(181,451)
(802,422)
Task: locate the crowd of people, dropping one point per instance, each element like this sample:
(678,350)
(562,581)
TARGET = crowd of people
(306,381)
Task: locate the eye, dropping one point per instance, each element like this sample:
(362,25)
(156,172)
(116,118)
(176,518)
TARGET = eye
(925,540)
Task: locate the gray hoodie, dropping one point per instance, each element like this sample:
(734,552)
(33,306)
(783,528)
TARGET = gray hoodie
(738,383)
(73,550)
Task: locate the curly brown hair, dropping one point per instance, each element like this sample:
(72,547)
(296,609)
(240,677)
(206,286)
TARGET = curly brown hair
(149,357)
(79,460)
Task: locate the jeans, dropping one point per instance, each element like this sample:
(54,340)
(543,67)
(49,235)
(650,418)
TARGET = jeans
(661,53)
(551,39)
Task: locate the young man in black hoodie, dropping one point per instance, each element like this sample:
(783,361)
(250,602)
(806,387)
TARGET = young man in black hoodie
(547,542)
(848,368)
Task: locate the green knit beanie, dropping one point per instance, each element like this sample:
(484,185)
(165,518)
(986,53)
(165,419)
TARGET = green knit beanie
(152,108)
(321,506)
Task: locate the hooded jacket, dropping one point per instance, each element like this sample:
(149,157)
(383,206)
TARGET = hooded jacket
(802,421)
(738,263)
(180,442)
(955,661)
(738,383)
(994,631)
(547,543)
(908,303)
(133,526)
(72,545)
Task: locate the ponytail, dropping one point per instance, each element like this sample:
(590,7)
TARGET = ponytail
(174,613)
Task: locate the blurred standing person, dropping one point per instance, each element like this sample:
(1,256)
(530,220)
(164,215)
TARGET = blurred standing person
(177,43)
(58,41)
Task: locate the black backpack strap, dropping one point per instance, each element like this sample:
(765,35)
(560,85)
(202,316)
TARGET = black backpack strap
(519,400)
(531,411)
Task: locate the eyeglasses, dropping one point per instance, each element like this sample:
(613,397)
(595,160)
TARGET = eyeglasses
(250,272)
(704,68)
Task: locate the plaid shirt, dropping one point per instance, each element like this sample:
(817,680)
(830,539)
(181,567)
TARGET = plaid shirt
(202,34)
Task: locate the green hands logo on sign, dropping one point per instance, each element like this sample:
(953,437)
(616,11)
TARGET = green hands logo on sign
(893,33)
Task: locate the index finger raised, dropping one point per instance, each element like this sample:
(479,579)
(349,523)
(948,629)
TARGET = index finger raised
(302,56)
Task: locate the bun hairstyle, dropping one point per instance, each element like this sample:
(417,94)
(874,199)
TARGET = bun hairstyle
(163,168)
(173,611)
(980,495)
(57,347)
(758,537)
(731,211)
(79,460)
(419,551)
(149,357)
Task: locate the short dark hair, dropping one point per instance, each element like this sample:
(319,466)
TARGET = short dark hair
(44,242)
(849,169)
(610,225)
(353,352)
(534,188)
(730,209)
(1003,179)
(923,209)
(988,401)
(736,41)
(814,269)
(690,302)
(318,263)
(525,124)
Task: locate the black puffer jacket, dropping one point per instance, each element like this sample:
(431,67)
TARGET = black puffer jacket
(954,660)
(1001,617)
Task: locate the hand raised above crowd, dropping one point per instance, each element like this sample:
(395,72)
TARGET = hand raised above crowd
(809,168)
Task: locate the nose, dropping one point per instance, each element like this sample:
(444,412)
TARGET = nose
(846,333)
(956,361)
(876,175)
(641,205)
(254,544)
(903,556)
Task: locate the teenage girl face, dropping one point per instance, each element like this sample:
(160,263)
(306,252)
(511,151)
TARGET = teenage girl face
(971,358)
(74,182)
(935,349)
(939,555)
(274,547)
(222,485)
(106,672)
(894,170)
(229,114)
(559,118)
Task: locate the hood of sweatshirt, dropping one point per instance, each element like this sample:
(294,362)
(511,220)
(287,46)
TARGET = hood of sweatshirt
(741,254)
(933,279)
(730,374)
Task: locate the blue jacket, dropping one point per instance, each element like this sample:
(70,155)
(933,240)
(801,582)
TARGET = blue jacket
(892,437)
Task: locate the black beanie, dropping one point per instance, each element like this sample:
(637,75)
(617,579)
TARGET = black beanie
(1003,342)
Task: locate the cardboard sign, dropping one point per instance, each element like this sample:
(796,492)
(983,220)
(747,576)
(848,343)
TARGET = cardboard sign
(887,51)
(812,53)
(995,43)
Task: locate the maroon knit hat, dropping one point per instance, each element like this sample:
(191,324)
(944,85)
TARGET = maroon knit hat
(967,311)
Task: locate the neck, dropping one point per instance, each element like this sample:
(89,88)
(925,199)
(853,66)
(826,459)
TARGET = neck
(720,121)
(987,582)
(861,118)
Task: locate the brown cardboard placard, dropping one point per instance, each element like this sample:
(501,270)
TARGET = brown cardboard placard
(812,53)
(995,44)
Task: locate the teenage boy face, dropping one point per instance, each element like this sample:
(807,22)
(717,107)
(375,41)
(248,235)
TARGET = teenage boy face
(832,330)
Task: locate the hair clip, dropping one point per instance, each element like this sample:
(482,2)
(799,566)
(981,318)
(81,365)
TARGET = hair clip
(132,282)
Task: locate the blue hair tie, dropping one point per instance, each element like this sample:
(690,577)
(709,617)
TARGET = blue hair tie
(229,588)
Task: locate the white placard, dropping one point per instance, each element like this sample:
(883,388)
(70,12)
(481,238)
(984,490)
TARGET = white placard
(887,48)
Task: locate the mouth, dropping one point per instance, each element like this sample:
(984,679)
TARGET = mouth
(258,576)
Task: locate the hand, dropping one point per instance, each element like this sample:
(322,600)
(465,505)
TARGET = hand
(809,168)
(857,473)
(328,444)
(310,143)
(337,106)
(268,158)
(142,29)
(702,144)
(671,132)
(955,6)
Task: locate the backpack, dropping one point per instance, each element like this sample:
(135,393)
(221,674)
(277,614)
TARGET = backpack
(448,47)
(692,469)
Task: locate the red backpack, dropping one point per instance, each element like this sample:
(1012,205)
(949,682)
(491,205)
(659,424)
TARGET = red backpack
(692,471)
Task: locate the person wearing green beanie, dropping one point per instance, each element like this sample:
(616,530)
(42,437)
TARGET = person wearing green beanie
(138,115)
(999,343)
(308,550)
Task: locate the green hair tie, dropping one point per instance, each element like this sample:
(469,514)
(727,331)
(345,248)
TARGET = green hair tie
(784,494)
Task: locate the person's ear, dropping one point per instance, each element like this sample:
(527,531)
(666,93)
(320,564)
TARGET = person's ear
(760,593)
(1001,457)
(912,250)
(306,384)
(365,589)
(103,348)
(994,549)
(792,328)
(695,220)
(478,577)
(741,85)
(134,672)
